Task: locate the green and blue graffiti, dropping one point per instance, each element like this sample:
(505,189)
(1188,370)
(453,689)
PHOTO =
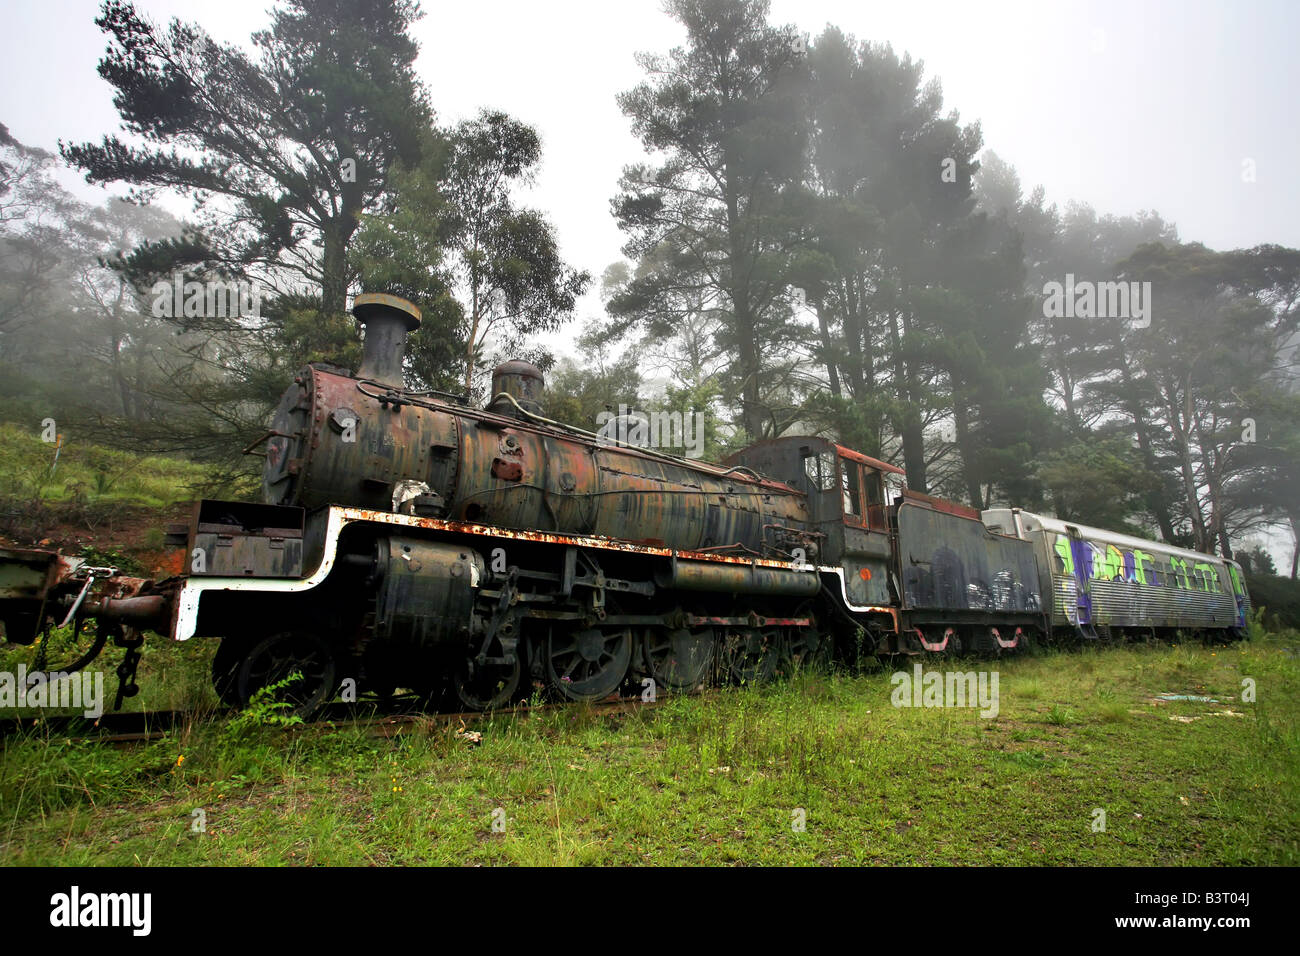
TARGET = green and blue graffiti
(1113,564)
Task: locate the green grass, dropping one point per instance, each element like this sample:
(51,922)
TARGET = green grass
(87,472)
(718,779)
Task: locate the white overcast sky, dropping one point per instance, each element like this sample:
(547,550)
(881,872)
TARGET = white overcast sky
(1144,104)
(1124,104)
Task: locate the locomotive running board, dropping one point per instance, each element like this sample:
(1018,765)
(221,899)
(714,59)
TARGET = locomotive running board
(186,607)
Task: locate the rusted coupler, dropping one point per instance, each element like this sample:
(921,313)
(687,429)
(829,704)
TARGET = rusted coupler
(149,611)
(737,578)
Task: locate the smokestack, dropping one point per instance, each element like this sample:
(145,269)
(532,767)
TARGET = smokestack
(388,320)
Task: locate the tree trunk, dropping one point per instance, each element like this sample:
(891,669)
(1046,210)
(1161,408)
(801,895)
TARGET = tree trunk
(334,271)
(1182,448)
(469,345)
(824,329)
(853,338)
(909,429)
(961,419)
(742,315)
(1217,530)
(1295,549)
(1133,403)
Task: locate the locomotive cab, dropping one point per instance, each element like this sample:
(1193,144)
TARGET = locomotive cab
(850,501)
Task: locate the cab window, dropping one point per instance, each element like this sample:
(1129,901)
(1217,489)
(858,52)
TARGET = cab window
(851,487)
(873,482)
(820,471)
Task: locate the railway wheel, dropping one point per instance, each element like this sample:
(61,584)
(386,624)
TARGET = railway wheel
(678,659)
(225,669)
(489,686)
(277,658)
(807,648)
(752,655)
(588,664)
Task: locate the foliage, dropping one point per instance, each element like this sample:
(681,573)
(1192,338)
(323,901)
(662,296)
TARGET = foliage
(264,710)
(451,239)
(1096,481)
(298,145)
(1257,561)
(1277,598)
(714,224)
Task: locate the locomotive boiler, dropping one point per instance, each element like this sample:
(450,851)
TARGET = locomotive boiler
(368,442)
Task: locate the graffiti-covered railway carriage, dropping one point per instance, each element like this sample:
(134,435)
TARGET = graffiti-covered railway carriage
(407,540)
(1103,582)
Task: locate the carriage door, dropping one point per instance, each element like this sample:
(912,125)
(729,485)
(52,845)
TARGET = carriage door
(866,532)
(1082,553)
(1238,593)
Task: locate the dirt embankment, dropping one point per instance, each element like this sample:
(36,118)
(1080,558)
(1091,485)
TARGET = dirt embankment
(128,536)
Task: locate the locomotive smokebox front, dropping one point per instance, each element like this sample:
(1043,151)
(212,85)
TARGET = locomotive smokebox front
(338,439)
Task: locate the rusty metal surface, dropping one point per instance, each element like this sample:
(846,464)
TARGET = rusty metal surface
(427,590)
(249,555)
(28,573)
(38,588)
(738,578)
(28,580)
(546,537)
(387,320)
(951,562)
(228,538)
(941,504)
(874,463)
(747,620)
(493,470)
(146,610)
(523,382)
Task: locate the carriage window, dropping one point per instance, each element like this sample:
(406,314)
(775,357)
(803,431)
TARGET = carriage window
(851,486)
(820,470)
(1095,558)
(1150,573)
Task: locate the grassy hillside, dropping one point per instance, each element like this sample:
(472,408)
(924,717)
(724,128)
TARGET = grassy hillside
(92,473)
(94,499)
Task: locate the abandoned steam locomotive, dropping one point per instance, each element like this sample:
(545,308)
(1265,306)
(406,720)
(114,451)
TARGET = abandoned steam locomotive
(406,540)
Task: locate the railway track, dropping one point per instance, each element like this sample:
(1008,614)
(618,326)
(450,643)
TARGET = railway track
(383,720)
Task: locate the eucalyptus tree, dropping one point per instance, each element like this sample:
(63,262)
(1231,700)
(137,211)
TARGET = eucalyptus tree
(718,209)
